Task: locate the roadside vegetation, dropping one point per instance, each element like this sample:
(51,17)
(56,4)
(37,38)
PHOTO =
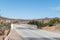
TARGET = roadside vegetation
(41,24)
(3,27)
(54,21)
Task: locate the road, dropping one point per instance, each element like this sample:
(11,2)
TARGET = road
(32,34)
(38,35)
(26,34)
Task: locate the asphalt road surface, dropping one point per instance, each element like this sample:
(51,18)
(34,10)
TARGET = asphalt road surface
(32,34)
(27,34)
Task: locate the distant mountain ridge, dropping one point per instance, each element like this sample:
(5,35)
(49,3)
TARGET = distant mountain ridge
(4,19)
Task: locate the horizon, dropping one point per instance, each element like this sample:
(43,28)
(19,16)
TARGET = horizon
(29,19)
(30,9)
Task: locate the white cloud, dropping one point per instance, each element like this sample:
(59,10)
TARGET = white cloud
(56,8)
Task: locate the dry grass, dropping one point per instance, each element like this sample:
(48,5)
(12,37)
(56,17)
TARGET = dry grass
(55,28)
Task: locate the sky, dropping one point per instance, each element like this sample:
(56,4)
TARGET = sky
(29,9)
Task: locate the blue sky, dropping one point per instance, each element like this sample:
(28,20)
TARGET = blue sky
(29,9)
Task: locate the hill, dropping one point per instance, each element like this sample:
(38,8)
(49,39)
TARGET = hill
(4,19)
(54,28)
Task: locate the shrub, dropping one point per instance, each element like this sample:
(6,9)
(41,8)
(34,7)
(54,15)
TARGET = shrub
(42,24)
(53,21)
(39,24)
(4,26)
(8,25)
(33,22)
(15,22)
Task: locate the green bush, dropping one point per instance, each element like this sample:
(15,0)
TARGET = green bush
(33,22)
(4,26)
(8,25)
(15,22)
(53,21)
(42,24)
(39,24)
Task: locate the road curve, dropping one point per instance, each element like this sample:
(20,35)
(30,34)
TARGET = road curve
(31,34)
